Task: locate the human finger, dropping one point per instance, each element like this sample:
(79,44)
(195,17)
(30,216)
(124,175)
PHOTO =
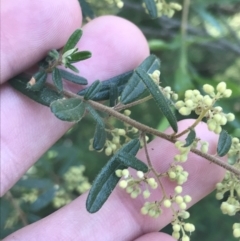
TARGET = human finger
(30,128)
(121,212)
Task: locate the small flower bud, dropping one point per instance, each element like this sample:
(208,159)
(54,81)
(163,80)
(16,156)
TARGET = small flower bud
(230,117)
(146,194)
(184,111)
(123,184)
(178,189)
(176,227)
(208,88)
(118,173)
(176,235)
(227,93)
(140,174)
(183,205)
(127,112)
(187,198)
(108,151)
(121,132)
(144,210)
(221,87)
(167,203)
(125,173)
(178,199)
(185,238)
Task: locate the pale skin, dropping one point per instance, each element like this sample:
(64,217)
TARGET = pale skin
(29,30)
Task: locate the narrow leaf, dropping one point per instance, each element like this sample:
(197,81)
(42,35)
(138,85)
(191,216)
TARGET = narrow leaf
(92,90)
(190,138)
(151,7)
(224,143)
(45,96)
(38,80)
(72,67)
(135,88)
(113,95)
(57,79)
(104,93)
(159,98)
(68,109)
(43,200)
(73,77)
(100,137)
(129,160)
(73,40)
(107,180)
(80,56)
(86,9)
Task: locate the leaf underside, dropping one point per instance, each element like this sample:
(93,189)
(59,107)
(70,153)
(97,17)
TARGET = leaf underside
(152,8)
(159,98)
(224,143)
(71,110)
(190,138)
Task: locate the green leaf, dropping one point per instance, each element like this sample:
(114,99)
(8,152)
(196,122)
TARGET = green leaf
(43,200)
(129,160)
(68,109)
(73,40)
(135,88)
(73,77)
(159,98)
(100,133)
(57,79)
(92,90)
(224,143)
(45,96)
(80,56)
(100,137)
(86,9)
(38,80)
(113,95)
(72,67)
(190,138)
(152,8)
(104,93)
(107,180)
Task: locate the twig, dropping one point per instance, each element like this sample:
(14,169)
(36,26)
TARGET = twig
(17,207)
(150,130)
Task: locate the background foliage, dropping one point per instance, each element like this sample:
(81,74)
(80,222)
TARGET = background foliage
(209,54)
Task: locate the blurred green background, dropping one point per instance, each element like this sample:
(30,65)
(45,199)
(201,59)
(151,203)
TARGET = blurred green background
(209,53)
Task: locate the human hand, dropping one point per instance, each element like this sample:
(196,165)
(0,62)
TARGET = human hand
(29,30)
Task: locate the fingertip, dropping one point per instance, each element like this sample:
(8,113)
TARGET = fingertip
(31,28)
(117,46)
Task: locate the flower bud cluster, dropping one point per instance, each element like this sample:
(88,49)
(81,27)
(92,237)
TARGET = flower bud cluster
(182,227)
(230,184)
(151,209)
(167,9)
(234,151)
(142,142)
(31,196)
(178,199)
(203,104)
(61,198)
(133,186)
(75,179)
(182,157)
(230,207)
(178,174)
(236,230)
(113,145)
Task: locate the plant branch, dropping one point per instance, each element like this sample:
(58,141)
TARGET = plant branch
(150,130)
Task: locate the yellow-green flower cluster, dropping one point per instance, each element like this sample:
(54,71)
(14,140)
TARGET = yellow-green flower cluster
(182,157)
(178,174)
(230,184)
(31,196)
(182,227)
(151,209)
(133,186)
(234,151)
(203,105)
(167,9)
(236,230)
(75,179)
(61,198)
